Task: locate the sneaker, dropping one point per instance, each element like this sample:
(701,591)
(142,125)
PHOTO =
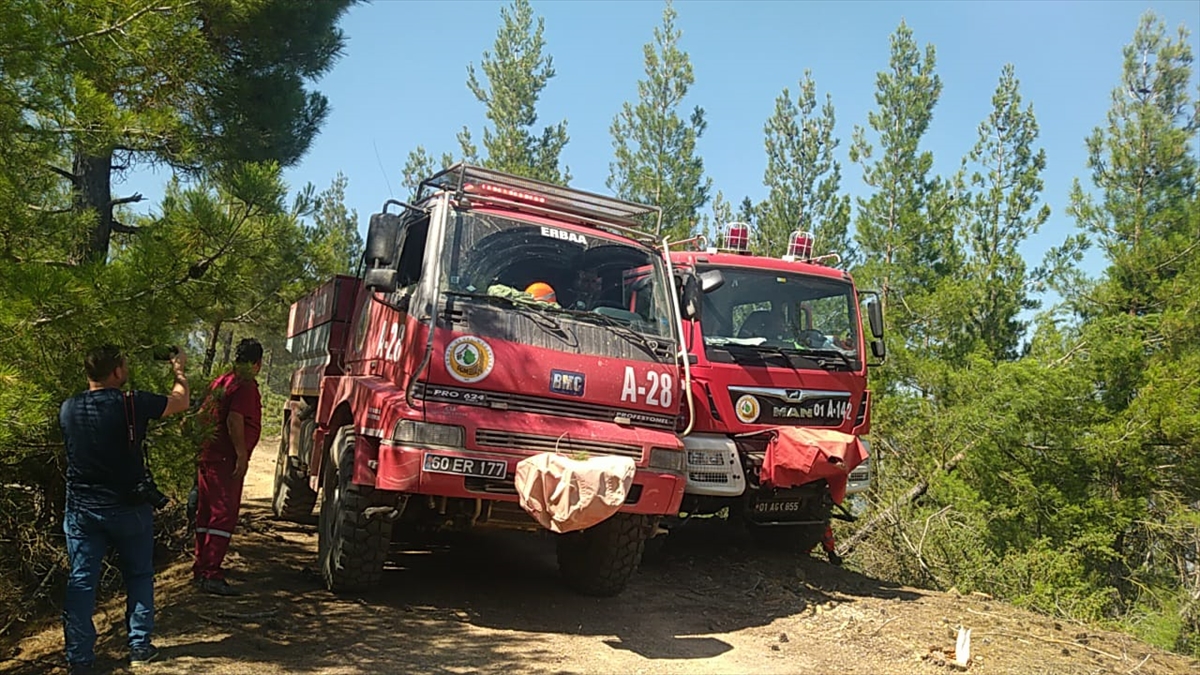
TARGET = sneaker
(81,669)
(218,587)
(143,655)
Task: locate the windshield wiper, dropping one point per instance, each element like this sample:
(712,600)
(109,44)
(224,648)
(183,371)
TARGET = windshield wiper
(652,346)
(538,314)
(788,352)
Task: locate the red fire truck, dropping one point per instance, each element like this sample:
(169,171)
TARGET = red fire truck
(778,344)
(423,381)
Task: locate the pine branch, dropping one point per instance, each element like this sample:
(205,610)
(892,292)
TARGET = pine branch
(116,27)
(118,226)
(64,173)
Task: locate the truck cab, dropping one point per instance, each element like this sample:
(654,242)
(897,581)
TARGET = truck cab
(780,343)
(427,378)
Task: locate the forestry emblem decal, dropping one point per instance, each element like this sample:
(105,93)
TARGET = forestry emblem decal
(747,409)
(469,359)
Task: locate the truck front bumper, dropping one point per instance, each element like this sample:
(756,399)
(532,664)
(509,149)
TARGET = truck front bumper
(401,468)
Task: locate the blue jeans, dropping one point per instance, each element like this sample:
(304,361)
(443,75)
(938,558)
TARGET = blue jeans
(91,532)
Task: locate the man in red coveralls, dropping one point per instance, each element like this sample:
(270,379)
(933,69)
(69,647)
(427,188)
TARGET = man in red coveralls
(235,406)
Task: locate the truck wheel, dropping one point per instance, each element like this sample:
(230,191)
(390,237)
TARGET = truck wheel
(600,560)
(788,538)
(292,499)
(351,548)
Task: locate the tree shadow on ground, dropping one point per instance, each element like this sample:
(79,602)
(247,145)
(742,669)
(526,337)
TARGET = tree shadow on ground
(476,601)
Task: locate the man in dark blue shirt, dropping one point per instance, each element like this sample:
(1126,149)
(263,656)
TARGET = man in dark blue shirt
(103,429)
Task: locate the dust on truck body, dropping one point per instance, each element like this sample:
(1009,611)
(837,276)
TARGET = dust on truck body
(423,382)
(778,343)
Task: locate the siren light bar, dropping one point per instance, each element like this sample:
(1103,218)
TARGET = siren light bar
(504,192)
(800,245)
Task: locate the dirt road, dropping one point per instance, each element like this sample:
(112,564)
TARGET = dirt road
(491,603)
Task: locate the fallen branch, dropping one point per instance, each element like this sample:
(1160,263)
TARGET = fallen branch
(907,498)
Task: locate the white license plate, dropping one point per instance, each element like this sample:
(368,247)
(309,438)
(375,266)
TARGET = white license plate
(781,506)
(465,466)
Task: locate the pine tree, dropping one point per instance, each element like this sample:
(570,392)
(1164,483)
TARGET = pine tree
(420,166)
(188,84)
(903,228)
(517,71)
(656,158)
(1140,327)
(1003,212)
(802,177)
(335,246)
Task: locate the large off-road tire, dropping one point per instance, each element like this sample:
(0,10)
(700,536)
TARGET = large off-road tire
(351,548)
(601,560)
(292,498)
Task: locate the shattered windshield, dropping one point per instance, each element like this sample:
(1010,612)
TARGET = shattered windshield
(562,272)
(776,310)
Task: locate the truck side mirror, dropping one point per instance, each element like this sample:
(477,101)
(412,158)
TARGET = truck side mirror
(383,236)
(711,280)
(875,318)
(878,349)
(382,279)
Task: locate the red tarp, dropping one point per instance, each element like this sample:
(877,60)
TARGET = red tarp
(565,494)
(799,455)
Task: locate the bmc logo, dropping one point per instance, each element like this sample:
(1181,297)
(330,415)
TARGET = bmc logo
(566,382)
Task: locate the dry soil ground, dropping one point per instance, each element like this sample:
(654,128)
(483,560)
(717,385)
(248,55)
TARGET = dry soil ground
(490,602)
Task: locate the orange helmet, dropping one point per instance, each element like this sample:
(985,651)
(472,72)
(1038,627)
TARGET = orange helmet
(541,291)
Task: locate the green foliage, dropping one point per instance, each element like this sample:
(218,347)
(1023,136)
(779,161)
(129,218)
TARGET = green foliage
(904,229)
(517,71)
(803,178)
(120,83)
(335,246)
(1077,462)
(656,159)
(1005,183)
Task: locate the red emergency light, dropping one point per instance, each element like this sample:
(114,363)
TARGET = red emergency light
(800,245)
(502,191)
(737,236)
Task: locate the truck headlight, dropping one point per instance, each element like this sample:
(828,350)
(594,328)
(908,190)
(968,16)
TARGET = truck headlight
(410,432)
(668,459)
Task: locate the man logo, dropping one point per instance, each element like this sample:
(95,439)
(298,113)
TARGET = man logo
(566,382)
(747,409)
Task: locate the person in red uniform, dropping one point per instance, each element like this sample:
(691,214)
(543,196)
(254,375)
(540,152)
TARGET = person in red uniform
(235,407)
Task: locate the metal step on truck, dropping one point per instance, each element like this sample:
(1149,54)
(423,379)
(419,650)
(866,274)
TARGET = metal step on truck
(495,318)
(778,365)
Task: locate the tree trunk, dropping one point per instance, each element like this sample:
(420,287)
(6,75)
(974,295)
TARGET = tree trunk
(227,347)
(210,350)
(93,192)
(887,514)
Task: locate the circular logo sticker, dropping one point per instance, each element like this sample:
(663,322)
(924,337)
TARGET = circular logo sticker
(469,359)
(746,409)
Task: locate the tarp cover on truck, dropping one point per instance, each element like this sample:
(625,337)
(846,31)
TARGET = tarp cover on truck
(565,494)
(799,455)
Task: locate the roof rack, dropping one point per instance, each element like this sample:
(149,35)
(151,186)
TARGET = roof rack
(624,217)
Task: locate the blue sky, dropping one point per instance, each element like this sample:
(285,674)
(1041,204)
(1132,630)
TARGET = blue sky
(402,81)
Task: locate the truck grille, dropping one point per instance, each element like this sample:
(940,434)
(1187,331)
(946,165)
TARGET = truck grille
(708,477)
(517,441)
(541,406)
